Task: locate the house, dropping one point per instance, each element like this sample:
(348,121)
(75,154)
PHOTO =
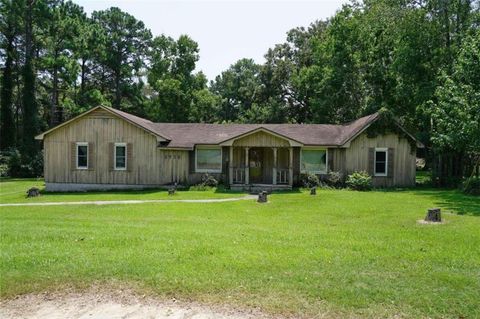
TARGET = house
(105,148)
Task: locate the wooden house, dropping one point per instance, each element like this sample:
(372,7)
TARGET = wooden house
(105,148)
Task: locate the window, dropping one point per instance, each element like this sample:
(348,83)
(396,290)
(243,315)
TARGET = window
(381,161)
(120,156)
(82,155)
(314,161)
(208,160)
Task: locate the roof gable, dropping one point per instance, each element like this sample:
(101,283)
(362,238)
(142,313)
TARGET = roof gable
(257,131)
(132,119)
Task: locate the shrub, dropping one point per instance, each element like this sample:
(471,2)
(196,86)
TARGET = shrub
(209,180)
(310,180)
(472,186)
(359,181)
(14,164)
(3,170)
(335,179)
(200,187)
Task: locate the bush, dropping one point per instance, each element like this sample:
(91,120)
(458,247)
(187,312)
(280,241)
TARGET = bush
(359,181)
(209,180)
(14,164)
(472,186)
(310,180)
(200,187)
(3,170)
(335,179)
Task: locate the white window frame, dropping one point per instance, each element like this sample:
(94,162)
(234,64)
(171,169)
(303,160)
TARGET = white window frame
(115,157)
(380,149)
(76,154)
(206,170)
(314,149)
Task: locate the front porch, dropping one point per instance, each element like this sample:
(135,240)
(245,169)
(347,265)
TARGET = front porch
(260,168)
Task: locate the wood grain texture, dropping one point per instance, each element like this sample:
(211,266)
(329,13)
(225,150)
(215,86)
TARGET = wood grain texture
(261,139)
(148,164)
(357,158)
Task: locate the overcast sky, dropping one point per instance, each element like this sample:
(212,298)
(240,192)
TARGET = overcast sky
(225,30)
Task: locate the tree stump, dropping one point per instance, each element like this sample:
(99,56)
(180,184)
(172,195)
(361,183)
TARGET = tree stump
(33,192)
(262,197)
(172,190)
(313,191)
(434,215)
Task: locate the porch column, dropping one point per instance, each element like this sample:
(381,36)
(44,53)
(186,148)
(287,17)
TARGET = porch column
(274,166)
(247,177)
(230,165)
(290,166)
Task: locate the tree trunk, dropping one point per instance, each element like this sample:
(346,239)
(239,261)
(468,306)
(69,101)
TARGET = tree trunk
(30,123)
(433,215)
(54,105)
(7,124)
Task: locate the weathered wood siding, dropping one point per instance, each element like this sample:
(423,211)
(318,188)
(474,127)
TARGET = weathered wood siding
(261,139)
(336,159)
(149,165)
(357,158)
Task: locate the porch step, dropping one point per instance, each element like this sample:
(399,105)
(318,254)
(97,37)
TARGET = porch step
(257,188)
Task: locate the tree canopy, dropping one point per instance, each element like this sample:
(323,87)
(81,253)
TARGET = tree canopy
(416,58)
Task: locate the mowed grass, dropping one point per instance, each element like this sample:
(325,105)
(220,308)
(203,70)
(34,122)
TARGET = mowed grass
(14,191)
(337,254)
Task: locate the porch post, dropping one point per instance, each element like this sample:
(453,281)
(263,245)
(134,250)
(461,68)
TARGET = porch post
(230,166)
(274,166)
(290,166)
(247,177)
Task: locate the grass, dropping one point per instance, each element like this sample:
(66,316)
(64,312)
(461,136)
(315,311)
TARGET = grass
(337,254)
(14,191)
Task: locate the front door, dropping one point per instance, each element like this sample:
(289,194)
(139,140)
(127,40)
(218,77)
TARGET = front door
(255,157)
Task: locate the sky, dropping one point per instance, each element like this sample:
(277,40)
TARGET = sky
(226,31)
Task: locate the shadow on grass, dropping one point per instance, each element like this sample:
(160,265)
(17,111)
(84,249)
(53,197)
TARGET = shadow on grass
(454,200)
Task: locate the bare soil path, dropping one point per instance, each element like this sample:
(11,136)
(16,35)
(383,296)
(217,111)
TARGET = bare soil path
(120,202)
(118,304)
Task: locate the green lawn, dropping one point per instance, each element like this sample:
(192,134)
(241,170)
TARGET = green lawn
(14,191)
(337,254)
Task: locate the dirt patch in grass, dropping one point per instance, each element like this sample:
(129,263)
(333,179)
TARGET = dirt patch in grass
(96,303)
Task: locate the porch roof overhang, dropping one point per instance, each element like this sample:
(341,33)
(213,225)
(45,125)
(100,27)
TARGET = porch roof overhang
(230,141)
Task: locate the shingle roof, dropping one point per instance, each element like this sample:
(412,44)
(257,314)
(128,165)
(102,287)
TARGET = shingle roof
(187,135)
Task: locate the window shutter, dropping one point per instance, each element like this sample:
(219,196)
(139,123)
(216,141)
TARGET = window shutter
(191,162)
(73,156)
(391,162)
(91,156)
(330,154)
(111,155)
(129,157)
(371,160)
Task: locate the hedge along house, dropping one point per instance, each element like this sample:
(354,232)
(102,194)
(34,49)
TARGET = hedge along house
(105,148)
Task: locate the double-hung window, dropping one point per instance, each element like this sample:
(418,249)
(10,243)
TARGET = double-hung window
(381,162)
(120,156)
(82,155)
(314,161)
(208,160)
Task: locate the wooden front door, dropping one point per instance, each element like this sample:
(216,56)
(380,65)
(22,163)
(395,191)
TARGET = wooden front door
(255,162)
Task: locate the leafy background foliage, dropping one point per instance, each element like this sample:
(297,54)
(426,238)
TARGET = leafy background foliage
(418,59)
